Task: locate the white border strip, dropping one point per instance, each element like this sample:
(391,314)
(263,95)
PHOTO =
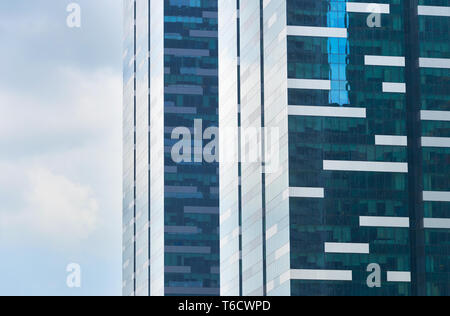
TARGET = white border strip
(388,140)
(331,247)
(442,63)
(315,31)
(313,84)
(399,276)
(384,221)
(435,115)
(394,87)
(441,142)
(322,275)
(436,223)
(306,192)
(356,7)
(326,111)
(369,166)
(433,10)
(372,60)
(436,196)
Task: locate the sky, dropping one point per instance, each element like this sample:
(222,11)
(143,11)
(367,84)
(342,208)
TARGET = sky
(60,147)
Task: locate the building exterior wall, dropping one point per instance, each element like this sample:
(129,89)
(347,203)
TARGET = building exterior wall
(357,95)
(251,178)
(229,120)
(191,195)
(128,249)
(171,210)
(434,69)
(277,148)
(322,227)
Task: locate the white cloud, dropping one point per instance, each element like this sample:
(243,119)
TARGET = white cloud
(60,207)
(83,108)
(60,140)
(61,167)
(55,208)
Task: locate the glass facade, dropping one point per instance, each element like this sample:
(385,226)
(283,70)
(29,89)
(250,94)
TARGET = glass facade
(230,189)
(349,194)
(433,27)
(129,229)
(357,93)
(171,210)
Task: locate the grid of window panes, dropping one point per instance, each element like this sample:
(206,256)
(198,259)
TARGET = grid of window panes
(348,194)
(434,42)
(191,192)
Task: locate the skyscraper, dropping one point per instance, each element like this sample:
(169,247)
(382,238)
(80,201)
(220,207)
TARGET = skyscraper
(357,94)
(170,210)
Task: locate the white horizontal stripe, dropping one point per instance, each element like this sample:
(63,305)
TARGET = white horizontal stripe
(433,10)
(388,140)
(383,221)
(443,142)
(322,275)
(384,61)
(346,248)
(368,7)
(370,166)
(436,196)
(435,115)
(394,87)
(313,84)
(326,111)
(398,276)
(307,192)
(438,223)
(434,63)
(316,31)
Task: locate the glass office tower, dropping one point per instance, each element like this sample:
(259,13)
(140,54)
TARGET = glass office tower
(170,210)
(433,100)
(357,94)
